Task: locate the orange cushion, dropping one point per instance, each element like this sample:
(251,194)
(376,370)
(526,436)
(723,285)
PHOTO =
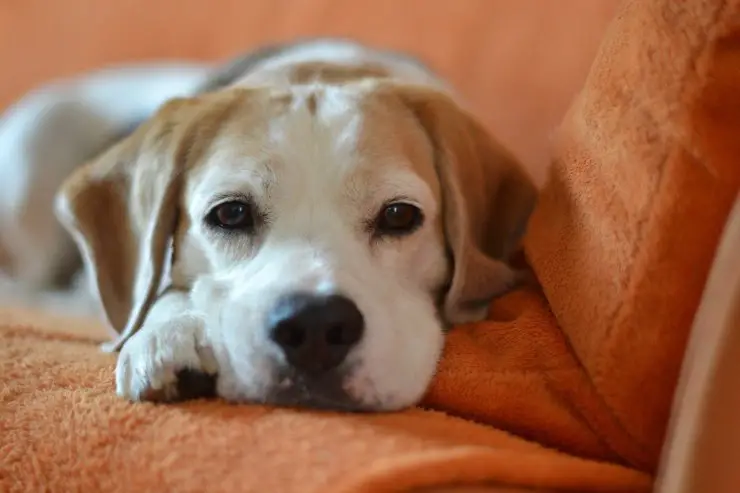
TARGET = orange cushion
(626,230)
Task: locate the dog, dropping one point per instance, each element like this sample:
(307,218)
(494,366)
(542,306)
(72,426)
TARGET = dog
(303,224)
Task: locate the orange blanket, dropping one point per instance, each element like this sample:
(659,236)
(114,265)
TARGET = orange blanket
(646,163)
(63,429)
(645,176)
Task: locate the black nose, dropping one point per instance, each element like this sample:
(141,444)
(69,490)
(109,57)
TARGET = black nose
(316,332)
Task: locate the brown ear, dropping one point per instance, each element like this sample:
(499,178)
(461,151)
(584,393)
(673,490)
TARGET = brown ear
(121,211)
(487,199)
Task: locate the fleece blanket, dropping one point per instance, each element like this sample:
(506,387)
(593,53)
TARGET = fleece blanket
(63,429)
(565,388)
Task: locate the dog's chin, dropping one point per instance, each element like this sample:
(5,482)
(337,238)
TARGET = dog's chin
(324,392)
(331,391)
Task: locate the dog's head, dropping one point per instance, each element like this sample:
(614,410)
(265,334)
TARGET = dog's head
(327,234)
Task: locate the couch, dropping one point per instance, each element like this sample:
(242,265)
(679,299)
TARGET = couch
(614,373)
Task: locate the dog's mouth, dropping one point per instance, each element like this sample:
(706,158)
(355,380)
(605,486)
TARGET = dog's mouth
(322,392)
(294,390)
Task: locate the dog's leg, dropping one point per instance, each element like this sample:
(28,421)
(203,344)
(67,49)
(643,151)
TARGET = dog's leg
(51,131)
(168,359)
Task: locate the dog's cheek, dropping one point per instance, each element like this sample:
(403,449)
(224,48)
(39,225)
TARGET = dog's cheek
(430,265)
(397,357)
(208,295)
(399,354)
(244,375)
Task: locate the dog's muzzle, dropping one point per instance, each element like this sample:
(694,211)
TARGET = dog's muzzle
(315,335)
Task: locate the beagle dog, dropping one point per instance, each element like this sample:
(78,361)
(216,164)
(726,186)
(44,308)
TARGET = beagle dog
(299,227)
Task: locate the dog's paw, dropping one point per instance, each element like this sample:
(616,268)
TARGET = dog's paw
(167,362)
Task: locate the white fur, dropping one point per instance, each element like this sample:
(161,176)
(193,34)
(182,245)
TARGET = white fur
(172,339)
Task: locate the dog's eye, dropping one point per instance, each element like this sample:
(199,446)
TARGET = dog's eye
(233,215)
(398,219)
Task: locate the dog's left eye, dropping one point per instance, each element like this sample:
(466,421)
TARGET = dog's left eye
(232,215)
(398,219)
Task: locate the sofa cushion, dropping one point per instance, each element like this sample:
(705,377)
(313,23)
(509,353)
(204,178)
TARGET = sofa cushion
(627,226)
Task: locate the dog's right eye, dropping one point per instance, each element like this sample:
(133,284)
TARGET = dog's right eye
(398,219)
(232,215)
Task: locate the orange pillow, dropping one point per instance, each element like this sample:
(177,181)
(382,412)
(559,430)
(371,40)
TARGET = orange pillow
(647,170)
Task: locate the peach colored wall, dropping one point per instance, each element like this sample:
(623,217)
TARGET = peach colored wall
(519,61)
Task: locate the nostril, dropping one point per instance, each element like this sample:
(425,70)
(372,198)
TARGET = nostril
(336,336)
(290,335)
(316,333)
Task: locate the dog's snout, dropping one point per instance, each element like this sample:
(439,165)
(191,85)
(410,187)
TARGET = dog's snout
(316,332)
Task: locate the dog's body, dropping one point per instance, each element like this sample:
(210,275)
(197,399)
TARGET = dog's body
(304,224)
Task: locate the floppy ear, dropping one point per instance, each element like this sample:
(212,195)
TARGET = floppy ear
(487,200)
(121,209)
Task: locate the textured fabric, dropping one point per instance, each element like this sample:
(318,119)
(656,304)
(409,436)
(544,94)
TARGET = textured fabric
(626,229)
(63,429)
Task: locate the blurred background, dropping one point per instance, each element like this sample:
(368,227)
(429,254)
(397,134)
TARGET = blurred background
(520,62)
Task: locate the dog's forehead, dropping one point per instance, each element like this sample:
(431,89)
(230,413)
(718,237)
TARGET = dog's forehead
(315,131)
